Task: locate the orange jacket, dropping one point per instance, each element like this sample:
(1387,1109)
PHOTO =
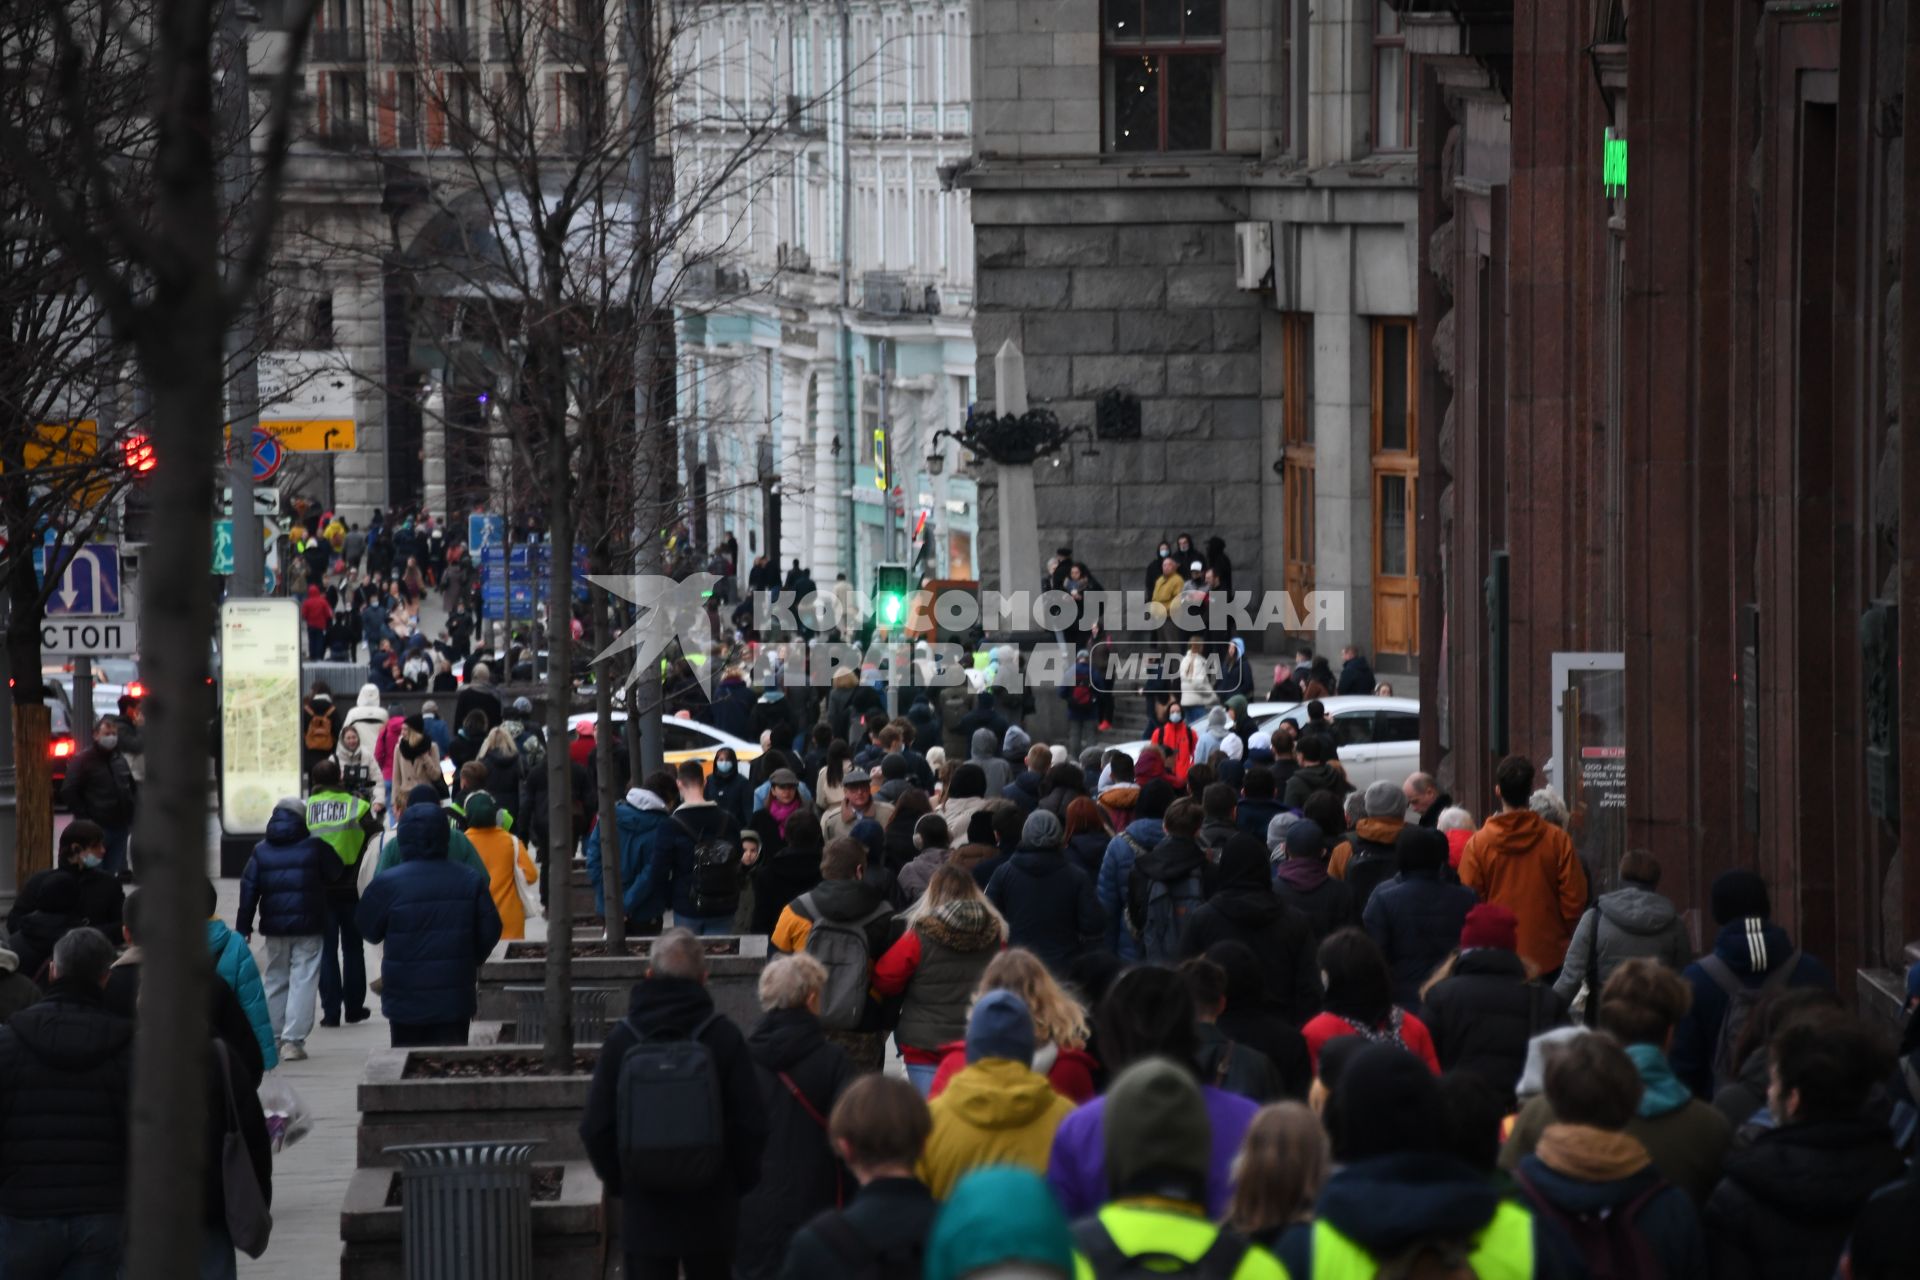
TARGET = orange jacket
(1527,865)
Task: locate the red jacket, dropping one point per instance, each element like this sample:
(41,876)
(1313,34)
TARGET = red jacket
(1331,1026)
(1071,1074)
(315,611)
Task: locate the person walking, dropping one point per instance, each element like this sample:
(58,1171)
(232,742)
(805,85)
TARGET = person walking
(1167,884)
(416,761)
(878,1128)
(1060,1029)
(1633,920)
(1243,908)
(652,847)
(952,933)
(287,880)
(1484,1013)
(317,614)
(438,923)
(1528,865)
(66,1085)
(707,882)
(1416,917)
(1145,832)
(1298,854)
(846,924)
(511,875)
(77,879)
(1359,1001)
(680,1150)
(345,822)
(234,965)
(801,1078)
(100,788)
(857,802)
(1049,903)
(998,1110)
(1371,855)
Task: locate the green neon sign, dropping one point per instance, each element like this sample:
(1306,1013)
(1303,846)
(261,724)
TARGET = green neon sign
(1613,168)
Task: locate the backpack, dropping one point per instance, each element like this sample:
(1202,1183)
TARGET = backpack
(1741,1002)
(716,885)
(1103,1255)
(841,947)
(319,735)
(1081,695)
(1158,911)
(863,1261)
(1610,1242)
(667,1108)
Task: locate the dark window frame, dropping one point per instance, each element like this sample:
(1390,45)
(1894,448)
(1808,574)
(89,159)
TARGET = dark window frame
(1210,46)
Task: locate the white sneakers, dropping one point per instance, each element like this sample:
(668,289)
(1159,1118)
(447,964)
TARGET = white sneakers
(291,1052)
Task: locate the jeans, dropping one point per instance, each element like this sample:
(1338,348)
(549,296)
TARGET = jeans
(413,1035)
(705,926)
(292,974)
(115,858)
(217,1260)
(317,642)
(1078,737)
(84,1246)
(920,1075)
(343,953)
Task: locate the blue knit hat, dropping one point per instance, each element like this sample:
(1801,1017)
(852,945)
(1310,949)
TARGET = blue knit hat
(1001,1026)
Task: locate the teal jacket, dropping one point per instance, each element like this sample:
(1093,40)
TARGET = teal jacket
(234,963)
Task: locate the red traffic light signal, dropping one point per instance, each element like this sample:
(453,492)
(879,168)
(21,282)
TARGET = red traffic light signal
(137,452)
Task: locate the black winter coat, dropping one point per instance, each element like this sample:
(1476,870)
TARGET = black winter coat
(780,879)
(1483,1015)
(1786,1204)
(1262,1026)
(777,716)
(732,792)
(1416,921)
(1050,906)
(95,895)
(100,787)
(1327,903)
(66,1078)
(892,1218)
(699,1219)
(799,1175)
(1279,937)
(287,879)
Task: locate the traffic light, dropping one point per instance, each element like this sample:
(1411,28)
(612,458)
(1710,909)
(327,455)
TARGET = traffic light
(890,587)
(136,507)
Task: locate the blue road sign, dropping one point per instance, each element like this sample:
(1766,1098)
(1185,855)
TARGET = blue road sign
(89,583)
(485,532)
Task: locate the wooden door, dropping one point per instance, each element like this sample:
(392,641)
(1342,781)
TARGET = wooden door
(1396,437)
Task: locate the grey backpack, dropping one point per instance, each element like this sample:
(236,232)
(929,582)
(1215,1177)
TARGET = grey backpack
(841,948)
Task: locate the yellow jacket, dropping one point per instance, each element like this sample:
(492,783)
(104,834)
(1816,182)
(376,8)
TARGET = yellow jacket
(498,849)
(1167,590)
(996,1111)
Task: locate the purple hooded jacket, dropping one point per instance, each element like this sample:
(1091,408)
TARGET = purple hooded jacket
(1077,1166)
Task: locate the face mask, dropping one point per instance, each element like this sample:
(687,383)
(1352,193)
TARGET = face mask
(1163,552)
(91,861)
(1176,715)
(723,766)
(108,741)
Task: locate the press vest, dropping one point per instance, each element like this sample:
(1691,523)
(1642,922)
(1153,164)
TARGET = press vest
(1502,1251)
(335,816)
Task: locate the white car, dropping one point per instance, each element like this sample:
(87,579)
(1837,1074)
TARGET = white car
(1379,738)
(1258,712)
(683,739)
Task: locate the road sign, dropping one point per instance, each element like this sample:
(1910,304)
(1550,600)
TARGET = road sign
(484,532)
(222,547)
(306,400)
(90,584)
(267,455)
(92,637)
(266,502)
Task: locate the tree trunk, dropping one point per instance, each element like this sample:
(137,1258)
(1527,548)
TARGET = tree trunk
(32,768)
(608,779)
(557,1048)
(169,1139)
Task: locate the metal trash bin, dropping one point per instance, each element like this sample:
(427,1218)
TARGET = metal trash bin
(466,1210)
(530,1014)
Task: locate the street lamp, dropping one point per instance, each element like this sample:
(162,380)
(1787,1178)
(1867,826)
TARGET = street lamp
(936,463)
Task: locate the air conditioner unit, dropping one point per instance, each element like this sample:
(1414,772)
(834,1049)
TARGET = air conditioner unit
(1253,255)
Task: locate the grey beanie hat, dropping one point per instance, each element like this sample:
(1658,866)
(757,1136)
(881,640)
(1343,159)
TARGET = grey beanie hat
(1219,719)
(1042,831)
(1277,833)
(1384,800)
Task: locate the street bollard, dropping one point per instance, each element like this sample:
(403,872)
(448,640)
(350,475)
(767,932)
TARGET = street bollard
(466,1210)
(589,1014)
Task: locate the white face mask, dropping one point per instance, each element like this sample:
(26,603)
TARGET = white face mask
(91,861)
(1176,715)
(108,741)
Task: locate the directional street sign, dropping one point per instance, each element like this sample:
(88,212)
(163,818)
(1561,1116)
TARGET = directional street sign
(93,637)
(90,585)
(222,548)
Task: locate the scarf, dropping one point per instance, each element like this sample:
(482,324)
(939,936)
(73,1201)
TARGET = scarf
(1661,1091)
(781,812)
(1590,1154)
(1304,874)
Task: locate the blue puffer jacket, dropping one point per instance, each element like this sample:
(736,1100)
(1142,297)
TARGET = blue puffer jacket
(1116,872)
(1416,919)
(437,920)
(653,847)
(234,963)
(287,879)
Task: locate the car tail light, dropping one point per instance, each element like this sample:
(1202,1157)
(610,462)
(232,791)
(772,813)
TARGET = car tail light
(60,748)
(136,690)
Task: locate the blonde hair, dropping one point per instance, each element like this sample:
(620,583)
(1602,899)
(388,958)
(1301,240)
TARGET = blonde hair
(1058,1018)
(1282,1164)
(951,884)
(787,982)
(498,739)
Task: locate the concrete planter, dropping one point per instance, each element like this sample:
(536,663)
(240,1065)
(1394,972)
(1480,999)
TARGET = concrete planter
(396,1109)
(566,1232)
(733,980)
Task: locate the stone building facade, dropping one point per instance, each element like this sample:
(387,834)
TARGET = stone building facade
(1240,255)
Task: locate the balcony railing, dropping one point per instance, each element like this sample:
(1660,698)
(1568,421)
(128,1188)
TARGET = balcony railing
(338,46)
(343,135)
(579,47)
(400,44)
(889,293)
(453,44)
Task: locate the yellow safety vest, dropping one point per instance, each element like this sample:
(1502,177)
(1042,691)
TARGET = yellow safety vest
(1503,1251)
(1186,1236)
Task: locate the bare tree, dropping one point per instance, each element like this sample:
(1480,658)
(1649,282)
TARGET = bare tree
(146,232)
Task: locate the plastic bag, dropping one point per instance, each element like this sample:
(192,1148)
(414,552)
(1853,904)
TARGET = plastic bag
(288,1119)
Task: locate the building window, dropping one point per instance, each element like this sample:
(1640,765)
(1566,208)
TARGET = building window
(1296,453)
(406,111)
(1161,75)
(1396,447)
(1393,72)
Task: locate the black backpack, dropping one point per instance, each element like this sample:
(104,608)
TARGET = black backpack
(863,1261)
(1097,1246)
(716,877)
(668,1115)
(1742,1000)
(1610,1241)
